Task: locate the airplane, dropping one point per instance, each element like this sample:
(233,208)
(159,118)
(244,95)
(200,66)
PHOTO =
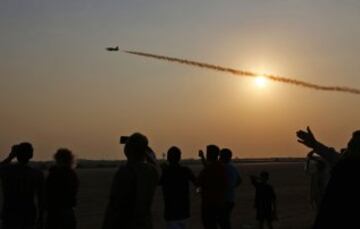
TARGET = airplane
(112,49)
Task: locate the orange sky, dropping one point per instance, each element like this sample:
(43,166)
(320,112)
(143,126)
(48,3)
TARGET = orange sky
(60,88)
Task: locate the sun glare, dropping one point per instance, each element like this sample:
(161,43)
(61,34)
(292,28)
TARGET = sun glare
(261,81)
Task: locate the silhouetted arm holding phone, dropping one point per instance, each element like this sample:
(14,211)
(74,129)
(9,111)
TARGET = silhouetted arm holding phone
(307,138)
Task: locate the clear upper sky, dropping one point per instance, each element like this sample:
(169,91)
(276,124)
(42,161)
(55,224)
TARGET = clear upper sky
(60,88)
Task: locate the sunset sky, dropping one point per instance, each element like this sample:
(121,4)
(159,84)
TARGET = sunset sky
(60,88)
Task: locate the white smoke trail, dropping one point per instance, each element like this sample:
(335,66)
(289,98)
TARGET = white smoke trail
(248,73)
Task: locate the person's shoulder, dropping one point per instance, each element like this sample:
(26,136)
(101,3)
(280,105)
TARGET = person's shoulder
(149,167)
(165,167)
(124,169)
(35,173)
(124,172)
(7,167)
(5,170)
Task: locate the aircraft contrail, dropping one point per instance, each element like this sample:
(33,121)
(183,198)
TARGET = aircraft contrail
(247,73)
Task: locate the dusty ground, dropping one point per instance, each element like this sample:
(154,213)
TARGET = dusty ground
(288,179)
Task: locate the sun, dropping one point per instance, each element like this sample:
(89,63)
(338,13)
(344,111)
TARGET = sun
(261,81)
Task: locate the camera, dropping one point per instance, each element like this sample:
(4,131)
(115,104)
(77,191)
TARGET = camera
(124,139)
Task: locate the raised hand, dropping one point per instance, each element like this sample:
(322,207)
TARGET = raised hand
(13,152)
(307,138)
(201,154)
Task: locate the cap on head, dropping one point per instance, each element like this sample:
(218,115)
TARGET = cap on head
(64,157)
(136,146)
(225,155)
(174,155)
(212,152)
(24,152)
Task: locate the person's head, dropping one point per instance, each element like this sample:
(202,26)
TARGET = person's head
(264,176)
(353,147)
(225,155)
(212,153)
(64,158)
(174,155)
(24,152)
(135,147)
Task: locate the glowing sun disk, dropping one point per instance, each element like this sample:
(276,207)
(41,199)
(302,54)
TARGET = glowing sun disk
(261,81)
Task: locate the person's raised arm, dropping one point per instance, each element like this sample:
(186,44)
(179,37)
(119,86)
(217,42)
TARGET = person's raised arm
(10,156)
(307,138)
(151,159)
(202,158)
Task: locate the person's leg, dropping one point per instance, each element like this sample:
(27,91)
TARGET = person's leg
(52,220)
(9,226)
(182,224)
(261,224)
(225,216)
(269,224)
(69,219)
(172,225)
(209,217)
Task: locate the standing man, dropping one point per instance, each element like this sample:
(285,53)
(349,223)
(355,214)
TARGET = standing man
(62,186)
(233,180)
(342,195)
(175,181)
(133,187)
(213,185)
(22,188)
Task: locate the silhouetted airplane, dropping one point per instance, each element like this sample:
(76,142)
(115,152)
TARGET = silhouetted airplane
(112,49)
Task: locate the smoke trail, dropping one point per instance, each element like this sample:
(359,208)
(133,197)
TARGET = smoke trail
(248,73)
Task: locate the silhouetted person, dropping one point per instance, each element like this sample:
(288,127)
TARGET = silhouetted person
(213,185)
(133,187)
(61,192)
(175,181)
(342,197)
(265,200)
(233,180)
(22,190)
(318,169)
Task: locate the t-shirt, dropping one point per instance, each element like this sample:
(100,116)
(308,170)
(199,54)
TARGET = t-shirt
(233,179)
(213,183)
(61,188)
(131,197)
(264,199)
(20,185)
(175,186)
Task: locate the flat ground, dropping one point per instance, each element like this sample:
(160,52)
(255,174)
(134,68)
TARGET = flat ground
(288,179)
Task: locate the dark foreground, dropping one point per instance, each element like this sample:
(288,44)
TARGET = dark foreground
(288,179)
